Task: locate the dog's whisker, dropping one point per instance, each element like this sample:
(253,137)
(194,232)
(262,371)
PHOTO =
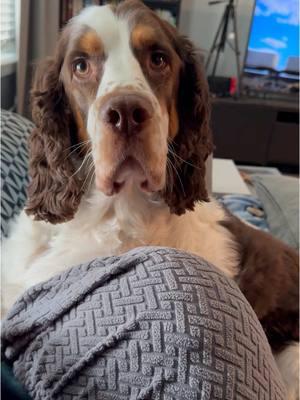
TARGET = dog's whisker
(92,179)
(184,161)
(170,179)
(92,174)
(90,169)
(73,151)
(81,165)
(79,144)
(77,147)
(168,176)
(177,173)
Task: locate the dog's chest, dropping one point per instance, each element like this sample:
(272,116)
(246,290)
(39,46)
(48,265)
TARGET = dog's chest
(197,232)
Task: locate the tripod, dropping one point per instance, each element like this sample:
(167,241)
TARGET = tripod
(220,40)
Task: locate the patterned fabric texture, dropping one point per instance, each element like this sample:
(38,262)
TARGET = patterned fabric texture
(14,165)
(154,323)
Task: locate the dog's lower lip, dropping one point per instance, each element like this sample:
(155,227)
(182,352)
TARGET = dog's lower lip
(145,186)
(117,187)
(129,168)
(129,171)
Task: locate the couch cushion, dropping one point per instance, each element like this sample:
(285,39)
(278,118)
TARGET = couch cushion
(280,198)
(14,165)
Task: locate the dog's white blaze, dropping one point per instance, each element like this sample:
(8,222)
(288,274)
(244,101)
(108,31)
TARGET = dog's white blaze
(121,68)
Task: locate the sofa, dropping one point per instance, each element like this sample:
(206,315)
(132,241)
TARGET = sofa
(154,323)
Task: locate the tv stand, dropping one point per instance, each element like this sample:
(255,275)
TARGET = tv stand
(256,131)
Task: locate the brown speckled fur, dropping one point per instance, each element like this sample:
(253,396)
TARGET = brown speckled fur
(269,279)
(54,193)
(193,142)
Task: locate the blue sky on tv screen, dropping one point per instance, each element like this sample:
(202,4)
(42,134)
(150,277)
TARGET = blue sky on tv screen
(275,27)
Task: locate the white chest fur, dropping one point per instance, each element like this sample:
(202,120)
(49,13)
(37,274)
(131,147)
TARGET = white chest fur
(104,226)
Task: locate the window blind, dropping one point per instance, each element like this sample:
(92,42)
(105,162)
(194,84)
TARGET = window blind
(8,28)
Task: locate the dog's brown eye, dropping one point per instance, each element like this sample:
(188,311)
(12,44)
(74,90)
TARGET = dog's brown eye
(158,60)
(81,67)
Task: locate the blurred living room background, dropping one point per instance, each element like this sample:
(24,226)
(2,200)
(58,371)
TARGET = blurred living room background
(250,50)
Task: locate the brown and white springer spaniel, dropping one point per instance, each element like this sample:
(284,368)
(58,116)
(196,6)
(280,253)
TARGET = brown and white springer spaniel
(117,160)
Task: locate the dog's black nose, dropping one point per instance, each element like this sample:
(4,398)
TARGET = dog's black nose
(127,114)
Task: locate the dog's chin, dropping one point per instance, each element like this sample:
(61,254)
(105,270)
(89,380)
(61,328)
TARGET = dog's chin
(129,173)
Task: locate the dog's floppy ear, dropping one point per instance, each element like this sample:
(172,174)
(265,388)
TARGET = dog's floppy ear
(193,142)
(54,191)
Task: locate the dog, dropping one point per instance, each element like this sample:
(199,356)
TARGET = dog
(117,160)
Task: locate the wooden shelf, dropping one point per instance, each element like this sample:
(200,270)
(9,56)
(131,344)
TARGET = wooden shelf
(172,6)
(163,4)
(69,8)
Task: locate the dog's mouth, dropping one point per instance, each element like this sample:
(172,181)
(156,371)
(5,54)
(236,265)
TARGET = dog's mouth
(129,171)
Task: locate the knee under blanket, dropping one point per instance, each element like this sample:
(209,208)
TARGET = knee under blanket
(154,323)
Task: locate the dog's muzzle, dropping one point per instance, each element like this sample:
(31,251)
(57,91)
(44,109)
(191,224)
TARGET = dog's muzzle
(128,120)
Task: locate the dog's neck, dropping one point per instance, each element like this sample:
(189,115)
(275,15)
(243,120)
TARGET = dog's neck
(130,208)
(113,225)
(127,220)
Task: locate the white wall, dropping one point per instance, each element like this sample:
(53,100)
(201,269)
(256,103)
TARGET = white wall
(200,21)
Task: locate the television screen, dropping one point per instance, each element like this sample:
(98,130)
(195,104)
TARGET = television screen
(272,60)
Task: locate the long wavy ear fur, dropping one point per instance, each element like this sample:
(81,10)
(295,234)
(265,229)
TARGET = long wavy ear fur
(54,191)
(193,143)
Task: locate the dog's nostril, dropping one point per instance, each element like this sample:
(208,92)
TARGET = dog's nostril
(113,117)
(139,115)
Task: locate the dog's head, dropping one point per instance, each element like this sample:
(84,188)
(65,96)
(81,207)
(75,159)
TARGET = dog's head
(128,88)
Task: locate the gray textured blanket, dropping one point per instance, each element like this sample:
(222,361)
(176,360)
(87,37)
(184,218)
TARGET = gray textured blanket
(154,323)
